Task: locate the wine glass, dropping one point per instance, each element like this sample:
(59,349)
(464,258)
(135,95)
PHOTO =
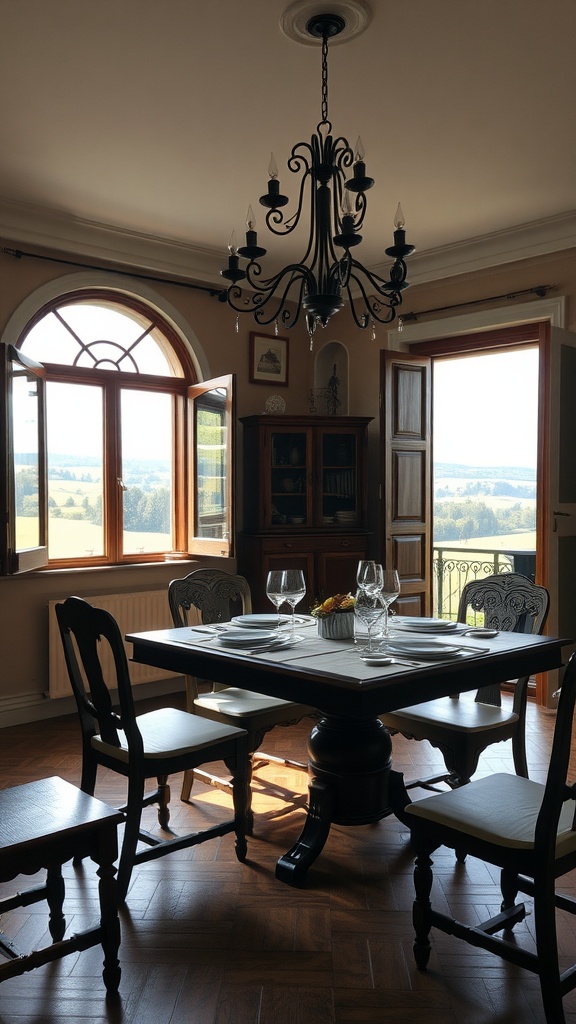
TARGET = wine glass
(388,594)
(369,576)
(274,592)
(370,609)
(293,590)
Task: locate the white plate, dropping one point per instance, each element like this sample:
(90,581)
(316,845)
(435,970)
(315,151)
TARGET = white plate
(377,659)
(260,621)
(482,631)
(423,649)
(422,625)
(261,641)
(245,637)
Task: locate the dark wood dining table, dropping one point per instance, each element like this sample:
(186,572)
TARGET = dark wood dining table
(351,781)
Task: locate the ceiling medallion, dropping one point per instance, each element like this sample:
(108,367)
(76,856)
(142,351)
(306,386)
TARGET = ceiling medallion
(355,14)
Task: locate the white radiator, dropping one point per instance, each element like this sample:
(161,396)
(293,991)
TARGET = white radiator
(134,613)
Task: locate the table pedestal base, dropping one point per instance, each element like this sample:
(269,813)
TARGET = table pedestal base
(350,762)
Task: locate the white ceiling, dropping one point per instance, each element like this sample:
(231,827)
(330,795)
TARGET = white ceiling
(156,119)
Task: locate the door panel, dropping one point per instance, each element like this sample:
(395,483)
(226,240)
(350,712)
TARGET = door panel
(406,471)
(559,526)
(336,571)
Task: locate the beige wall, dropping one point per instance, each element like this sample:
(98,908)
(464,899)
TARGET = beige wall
(23,600)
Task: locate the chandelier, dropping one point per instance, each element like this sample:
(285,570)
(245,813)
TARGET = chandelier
(328,271)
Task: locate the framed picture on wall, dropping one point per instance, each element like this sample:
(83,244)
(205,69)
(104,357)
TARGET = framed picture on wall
(268,360)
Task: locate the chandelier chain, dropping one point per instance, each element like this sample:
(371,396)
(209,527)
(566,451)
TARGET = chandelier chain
(324,78)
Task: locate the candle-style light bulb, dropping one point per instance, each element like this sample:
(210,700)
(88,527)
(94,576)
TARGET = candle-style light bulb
(251,251)
(273,199)
(232,272)
(399,251)
(359,182)
(359,152)
(347,205)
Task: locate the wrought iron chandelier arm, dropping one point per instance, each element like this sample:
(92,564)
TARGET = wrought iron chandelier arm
(265,305)
(287,315)
(276,221)
(387,289)
(384,312)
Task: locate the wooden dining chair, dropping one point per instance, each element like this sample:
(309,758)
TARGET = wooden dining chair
(43,824)
(212,596)
(140,747)
(463,729)
(526,829)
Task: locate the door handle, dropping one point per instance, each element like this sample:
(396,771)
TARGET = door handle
(557,513)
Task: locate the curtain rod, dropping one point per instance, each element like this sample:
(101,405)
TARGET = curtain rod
(220,294)
(214,292)
(540,290)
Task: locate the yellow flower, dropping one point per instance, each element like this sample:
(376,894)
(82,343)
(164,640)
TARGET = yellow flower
(332,605)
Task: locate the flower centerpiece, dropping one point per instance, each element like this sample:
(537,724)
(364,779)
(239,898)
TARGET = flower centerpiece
(335,617)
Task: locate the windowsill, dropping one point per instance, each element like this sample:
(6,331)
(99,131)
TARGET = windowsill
(126,567)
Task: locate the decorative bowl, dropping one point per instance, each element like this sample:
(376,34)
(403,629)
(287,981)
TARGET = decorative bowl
(339,626)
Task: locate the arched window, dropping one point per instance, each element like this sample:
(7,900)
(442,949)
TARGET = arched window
(121,434)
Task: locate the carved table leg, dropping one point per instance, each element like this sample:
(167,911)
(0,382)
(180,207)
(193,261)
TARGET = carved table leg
(292,867)
(349,773)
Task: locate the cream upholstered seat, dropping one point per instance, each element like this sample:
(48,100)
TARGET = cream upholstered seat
(153,745)
(462,729)
(213,594)
(527,830)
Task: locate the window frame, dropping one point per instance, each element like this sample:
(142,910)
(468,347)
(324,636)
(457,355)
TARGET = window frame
(112,382)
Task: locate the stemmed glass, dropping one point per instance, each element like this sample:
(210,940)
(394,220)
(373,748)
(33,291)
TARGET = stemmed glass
(293,590)
(388,594)
(370,609)
(274,591)
(369,576)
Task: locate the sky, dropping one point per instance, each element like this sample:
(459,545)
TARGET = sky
(486,409)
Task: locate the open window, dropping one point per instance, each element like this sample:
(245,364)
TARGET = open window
(23,541)
(211,514)
(109,459)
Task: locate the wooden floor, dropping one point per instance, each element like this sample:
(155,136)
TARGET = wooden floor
(206,940)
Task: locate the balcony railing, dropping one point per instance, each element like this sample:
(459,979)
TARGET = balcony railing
(452,568)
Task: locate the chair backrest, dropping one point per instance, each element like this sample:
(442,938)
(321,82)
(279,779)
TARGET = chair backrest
(215,594)
(84,630)
(558,790)
(509,601)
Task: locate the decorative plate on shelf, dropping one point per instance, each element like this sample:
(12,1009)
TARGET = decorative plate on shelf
(275,404)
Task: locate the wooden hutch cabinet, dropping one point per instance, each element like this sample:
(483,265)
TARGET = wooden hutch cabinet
(304,502)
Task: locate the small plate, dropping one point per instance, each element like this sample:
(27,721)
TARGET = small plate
(426,649)
(260,621)
(245,637)
(423,625)
(482,631)
(377,659)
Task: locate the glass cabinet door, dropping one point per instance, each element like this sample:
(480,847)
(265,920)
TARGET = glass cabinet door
(289,478)
(339,493)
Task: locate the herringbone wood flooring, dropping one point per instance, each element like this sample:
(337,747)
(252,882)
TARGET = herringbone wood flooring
(206,940)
